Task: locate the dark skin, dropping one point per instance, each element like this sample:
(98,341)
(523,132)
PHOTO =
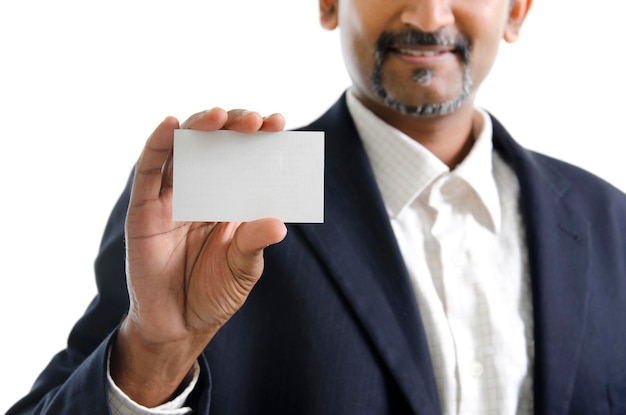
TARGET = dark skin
(187,279)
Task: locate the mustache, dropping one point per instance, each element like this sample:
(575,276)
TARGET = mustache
(387,40)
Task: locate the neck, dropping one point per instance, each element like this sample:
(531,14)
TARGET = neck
(449,137)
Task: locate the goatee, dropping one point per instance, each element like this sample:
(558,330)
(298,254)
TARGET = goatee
(422,76)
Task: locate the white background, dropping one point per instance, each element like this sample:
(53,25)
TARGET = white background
(83,83)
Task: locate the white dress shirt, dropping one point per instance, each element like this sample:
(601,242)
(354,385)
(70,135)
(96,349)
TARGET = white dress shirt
(462,239)
(121,404)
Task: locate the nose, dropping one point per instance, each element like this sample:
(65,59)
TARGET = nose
(427,15)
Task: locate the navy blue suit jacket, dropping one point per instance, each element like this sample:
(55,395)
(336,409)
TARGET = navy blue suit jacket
(333,326)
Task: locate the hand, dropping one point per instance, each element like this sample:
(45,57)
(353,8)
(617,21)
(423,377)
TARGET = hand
(185,279)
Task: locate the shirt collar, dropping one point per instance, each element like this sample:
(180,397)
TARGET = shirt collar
(404,168)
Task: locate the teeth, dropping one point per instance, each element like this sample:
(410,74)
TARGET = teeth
(412,52)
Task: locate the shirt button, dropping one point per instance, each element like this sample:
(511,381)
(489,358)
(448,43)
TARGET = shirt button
(477,369)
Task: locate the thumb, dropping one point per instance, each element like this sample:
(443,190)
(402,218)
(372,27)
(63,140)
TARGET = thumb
(248,243)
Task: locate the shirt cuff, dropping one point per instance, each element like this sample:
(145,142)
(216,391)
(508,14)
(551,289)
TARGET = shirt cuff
(121,404)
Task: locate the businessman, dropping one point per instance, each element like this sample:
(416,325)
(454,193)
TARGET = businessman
(456,272)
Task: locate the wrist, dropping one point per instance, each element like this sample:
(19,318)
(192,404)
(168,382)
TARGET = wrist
(152,373)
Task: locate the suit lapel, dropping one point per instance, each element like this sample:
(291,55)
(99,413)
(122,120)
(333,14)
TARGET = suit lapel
(360,250)
(557,249)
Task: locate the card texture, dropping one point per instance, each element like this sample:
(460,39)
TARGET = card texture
(225,176)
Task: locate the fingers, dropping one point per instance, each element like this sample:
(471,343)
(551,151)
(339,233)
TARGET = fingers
(210,120)
(249,121)
(237,120)
(274,122)
(149,169)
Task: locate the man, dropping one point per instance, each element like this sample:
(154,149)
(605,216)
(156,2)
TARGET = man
(455,272)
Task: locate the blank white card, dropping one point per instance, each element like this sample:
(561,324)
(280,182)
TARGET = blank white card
(225,176)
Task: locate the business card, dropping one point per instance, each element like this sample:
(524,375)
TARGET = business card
(226,176)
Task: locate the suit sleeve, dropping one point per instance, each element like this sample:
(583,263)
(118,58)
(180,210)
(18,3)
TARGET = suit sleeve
(74,382)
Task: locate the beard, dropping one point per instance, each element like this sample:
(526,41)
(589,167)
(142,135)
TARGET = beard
(422,76)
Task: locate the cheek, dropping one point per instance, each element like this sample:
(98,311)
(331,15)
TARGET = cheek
(483,57)
(359,54)
(485,27)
